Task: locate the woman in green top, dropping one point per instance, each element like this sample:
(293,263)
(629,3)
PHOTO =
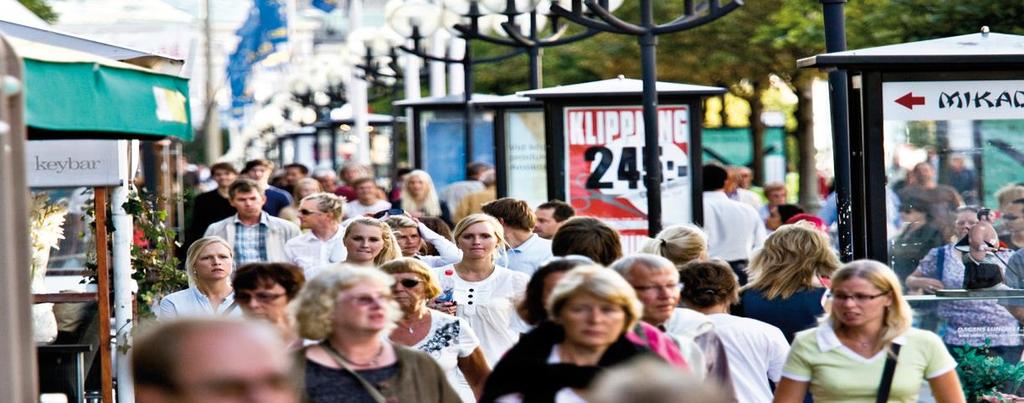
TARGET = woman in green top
(842,360)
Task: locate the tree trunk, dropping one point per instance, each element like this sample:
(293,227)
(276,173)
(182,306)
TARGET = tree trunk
(757,133)
(806,166)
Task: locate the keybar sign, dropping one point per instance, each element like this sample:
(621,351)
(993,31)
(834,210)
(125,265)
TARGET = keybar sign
(947,100)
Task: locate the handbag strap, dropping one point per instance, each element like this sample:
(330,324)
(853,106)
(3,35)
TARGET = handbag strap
(372,390)
(887,374)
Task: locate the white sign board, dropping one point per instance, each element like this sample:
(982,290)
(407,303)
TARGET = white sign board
(72,163)
(952,100)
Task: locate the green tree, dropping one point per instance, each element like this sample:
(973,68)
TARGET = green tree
(40,9)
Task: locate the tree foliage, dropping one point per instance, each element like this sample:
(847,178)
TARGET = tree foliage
(40,9)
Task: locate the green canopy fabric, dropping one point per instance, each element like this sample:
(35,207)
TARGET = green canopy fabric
(70,91)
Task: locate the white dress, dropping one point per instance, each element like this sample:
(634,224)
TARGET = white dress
(449,339)
(489,306)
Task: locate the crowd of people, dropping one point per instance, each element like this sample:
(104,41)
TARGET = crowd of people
(373,296)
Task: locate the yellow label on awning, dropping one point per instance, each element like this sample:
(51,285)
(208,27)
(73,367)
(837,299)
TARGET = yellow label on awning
(170,105)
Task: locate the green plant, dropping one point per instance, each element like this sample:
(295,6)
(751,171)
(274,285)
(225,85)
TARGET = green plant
(982,375)
(153,252)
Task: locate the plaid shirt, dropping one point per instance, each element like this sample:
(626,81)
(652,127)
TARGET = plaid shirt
(251,241)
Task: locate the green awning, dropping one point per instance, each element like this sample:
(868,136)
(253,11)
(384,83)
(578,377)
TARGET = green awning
(67,91)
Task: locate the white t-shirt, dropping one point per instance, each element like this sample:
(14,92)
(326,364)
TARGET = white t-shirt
(311,254)
(489,306)
(756,352)
(356,209)
(734,229)
(449,339)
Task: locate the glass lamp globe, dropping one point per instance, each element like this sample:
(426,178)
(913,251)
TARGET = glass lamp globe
(523,22)
(460,7)
(424,16)
(501,6)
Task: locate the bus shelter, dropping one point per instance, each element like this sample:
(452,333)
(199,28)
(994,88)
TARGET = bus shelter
(520,167)
(934,126)
(595,150)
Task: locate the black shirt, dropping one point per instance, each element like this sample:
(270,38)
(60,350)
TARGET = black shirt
(207,208)
(333,385)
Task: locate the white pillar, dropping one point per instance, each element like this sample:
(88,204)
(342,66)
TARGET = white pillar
(438,48)
(124,285)
(457,75)
(411,75)
(358,95)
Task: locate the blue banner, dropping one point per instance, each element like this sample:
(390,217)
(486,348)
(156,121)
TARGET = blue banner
(326,5)
(264,28)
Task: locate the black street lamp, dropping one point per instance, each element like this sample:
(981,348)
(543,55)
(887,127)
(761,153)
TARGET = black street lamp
(409,24)
(835,41)
(696,13)
(533,16)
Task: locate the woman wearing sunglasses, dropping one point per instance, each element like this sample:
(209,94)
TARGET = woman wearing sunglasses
(842,360)
(263,291)
(351,309)
(448,339)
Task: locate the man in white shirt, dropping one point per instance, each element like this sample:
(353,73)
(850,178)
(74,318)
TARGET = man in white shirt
(738,187)
(734,228)
(656,281)
(367,200)
(551,216)
(320,213)
(526,250)
(254,235)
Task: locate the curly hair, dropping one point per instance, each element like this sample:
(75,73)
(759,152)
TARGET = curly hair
(415,266)
(390,251)
(792,258)
(315,305)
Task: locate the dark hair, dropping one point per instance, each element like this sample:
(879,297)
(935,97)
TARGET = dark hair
(300,167)
(359,182)
(714,177)
(562,210)
(259,162)
(439,226)
(243,185)
(708,283)
(253,275)
(475,169)
(223,166)
(531,308)
(787,211)
(514,213)
(916,204)
(587,236)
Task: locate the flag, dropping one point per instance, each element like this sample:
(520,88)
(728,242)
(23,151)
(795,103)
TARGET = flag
(265,27)
(325,5)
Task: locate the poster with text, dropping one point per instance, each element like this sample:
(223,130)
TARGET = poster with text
(605,159)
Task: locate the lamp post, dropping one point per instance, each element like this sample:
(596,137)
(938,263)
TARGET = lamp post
(417,19)
(525,22)
(600,18)
(835,41)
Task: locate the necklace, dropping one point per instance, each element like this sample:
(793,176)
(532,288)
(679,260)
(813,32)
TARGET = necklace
(373,361)
(416,321)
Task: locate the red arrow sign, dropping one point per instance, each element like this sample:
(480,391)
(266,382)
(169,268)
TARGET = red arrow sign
(909,100)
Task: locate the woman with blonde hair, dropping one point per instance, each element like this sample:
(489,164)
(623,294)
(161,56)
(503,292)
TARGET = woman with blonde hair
(370,242)
(449,340)
(681,244)
(592,311)
(867,329)
(350,310)
(479,290)
(209,263)
(788,279)
(419,198)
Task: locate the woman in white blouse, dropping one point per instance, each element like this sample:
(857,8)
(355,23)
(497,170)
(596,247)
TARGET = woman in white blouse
(480,291)
(209,262)
(446,338)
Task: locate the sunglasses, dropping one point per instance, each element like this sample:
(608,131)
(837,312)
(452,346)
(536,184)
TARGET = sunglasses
(307,212)
(409,283)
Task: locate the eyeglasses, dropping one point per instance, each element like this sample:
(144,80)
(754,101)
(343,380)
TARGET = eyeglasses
(262,297)
(308,212)
(858,298)
(408,282)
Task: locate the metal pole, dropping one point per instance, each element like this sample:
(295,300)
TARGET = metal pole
(835,41)
(411,77)
(652,161)
(467,63)
(358,100)
(122,277)
(211,125)
(535,52)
